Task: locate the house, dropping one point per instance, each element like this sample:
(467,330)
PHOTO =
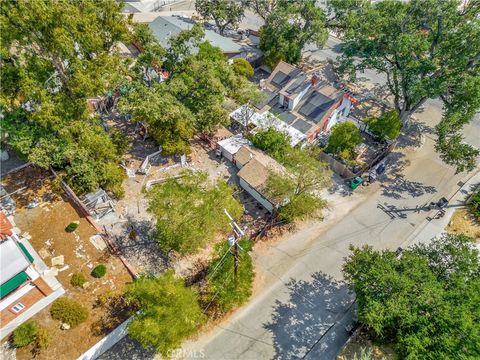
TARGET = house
(253,177)
(23,290)
(166,27)
(304,100)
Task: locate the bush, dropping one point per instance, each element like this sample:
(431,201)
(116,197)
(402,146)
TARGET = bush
(387,126)
(78,279)
(68,311)
(42,340)
(242,67)
(25,334)
(99,271)
(343,136)
(475,204)
(71,227)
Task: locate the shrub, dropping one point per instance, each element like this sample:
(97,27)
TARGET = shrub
(25,334)
(387,126)
(99,271)
(343,136)
(242,67)
(475,204)
(78,279)
(68,311)
(42,340)
(71,227)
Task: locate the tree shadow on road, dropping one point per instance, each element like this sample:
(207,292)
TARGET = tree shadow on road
(311,310)
(395,185)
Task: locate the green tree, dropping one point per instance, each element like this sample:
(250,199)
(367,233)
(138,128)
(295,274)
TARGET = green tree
(189,211)
(272,141)
(225,291)
(296,192)
(150,59)
(224,12)
(50,64)
(343,137)
(167,120)
(263,8)
(425,302)
(242,67)
(386,126)
(289,27)
(169,312)
(420,47)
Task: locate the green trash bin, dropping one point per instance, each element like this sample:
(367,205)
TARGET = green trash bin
(356,181)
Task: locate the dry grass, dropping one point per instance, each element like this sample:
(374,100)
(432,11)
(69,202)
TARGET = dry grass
(46,225)
(463,222)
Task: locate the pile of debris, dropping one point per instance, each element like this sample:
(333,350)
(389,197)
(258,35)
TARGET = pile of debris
(7,204)
(98,204)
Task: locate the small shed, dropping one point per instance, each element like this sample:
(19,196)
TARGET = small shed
(230,146)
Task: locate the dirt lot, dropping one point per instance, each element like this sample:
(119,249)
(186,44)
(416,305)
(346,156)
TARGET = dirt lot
(46,225)
(462,222)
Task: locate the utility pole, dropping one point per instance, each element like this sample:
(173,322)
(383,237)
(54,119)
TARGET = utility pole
(233,241)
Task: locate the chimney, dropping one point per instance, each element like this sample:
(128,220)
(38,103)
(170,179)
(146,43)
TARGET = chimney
(314,80)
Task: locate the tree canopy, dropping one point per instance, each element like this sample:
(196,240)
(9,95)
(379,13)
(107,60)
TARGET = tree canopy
(191,100)
(189,211)
(224,290)
(297,192)
(242,67)
(343,137)
(224,12)
(425,302)
(386,126)
(263,8)
(271,141)
(169,312)
(289,27)
(423,49)
(53,56)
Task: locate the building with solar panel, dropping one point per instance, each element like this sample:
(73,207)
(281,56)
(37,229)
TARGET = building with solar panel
(305,100)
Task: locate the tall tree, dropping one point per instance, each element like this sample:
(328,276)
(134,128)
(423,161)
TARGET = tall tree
(53,56)
(167,120)
(224,12)
(263,8)
(169,312)
(224,291)
(425,302)
(344,137)
(386,126)
(297,191)
(289,27)
(189,211)
(421,46)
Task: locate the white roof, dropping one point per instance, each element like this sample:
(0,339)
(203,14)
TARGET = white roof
(265,121)
(12,260)
(233,144)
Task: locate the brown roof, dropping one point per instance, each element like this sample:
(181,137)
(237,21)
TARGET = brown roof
(247,153)
(255,174)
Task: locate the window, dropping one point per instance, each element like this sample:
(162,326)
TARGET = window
(17,308)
